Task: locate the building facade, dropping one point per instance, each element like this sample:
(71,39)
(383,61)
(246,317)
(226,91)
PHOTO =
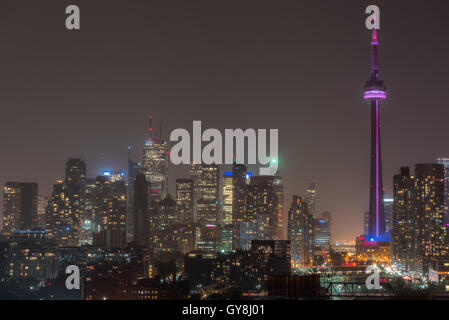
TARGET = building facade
(20,201)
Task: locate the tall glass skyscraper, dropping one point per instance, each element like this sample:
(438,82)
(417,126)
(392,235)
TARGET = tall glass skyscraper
(227,198)
(445,163)
(184,200)
(75,181)
(155,164)
(300,232)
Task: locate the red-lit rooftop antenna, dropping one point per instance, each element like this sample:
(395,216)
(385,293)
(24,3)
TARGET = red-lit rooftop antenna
(150,129)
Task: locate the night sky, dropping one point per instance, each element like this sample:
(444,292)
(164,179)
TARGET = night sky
(298,66)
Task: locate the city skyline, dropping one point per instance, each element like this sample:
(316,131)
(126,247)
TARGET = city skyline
(312,146)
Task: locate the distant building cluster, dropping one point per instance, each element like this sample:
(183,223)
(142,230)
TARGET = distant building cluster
(229,223)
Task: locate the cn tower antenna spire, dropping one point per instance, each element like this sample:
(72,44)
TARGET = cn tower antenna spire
(374,45)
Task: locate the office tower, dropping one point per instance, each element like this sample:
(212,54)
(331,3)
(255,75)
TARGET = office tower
(445,163)
(207,204)
(100,192)
(263,204)
(155,164)
(279,190)
(168,211)
(227,198)
(207,212)
(162,219)
(227,232)
(300,232)
(196,172)
(310,197)
(19,206)
(210,182)
(403,227)
(206,194)
(374,91)
(429,211)
(260,220)
(240,180)
(59,222)
(227,225)
(184,200)
(86,223)
(388,205)
(321,240)
(111,213)
(327,216)
(75,181)
(41,209)
(133,171)
(141,207)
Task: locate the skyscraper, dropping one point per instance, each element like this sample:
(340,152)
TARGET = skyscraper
(155,163)
(133,171)
(88,226)
(445,163)
(227,225)
(279,190)
(227,198)
(260,220)
(111,211)
(328,217)
(321,240)
(184,200)
(141,208)
(300,232)
(310,197)
(240,180)
(196,172)
(59,222)
(374,91)
(75,181)
(41,209)
(429,210)
(207,205)
(19,206)
(162,218)
(402,233)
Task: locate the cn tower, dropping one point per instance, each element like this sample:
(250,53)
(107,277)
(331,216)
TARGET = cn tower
(375,91)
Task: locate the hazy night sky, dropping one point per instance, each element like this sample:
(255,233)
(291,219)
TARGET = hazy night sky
(294,65)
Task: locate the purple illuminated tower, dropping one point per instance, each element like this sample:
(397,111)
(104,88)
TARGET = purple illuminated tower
(375,91)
